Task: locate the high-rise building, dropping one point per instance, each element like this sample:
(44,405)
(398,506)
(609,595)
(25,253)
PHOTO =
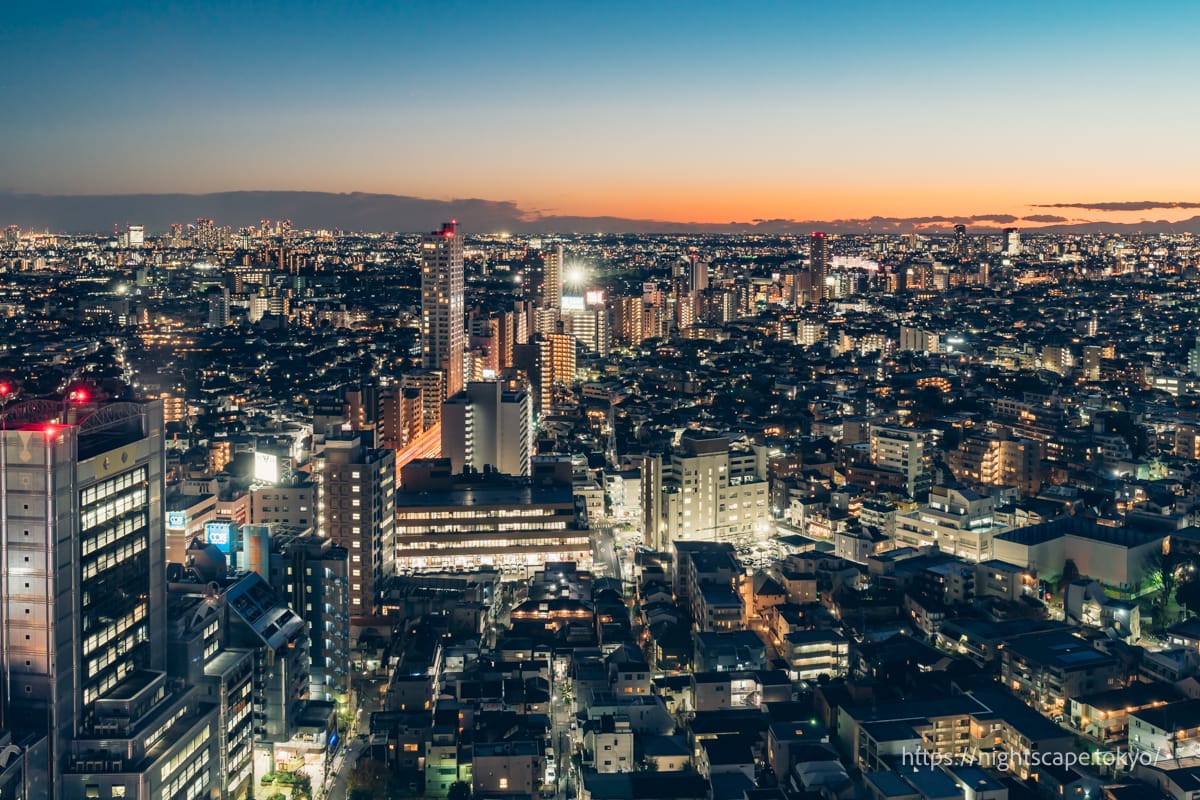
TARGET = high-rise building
(907,452)
(402,414)
(218,307)
(137,235)
(590,326)
(712,492)
(1194,358)
(698,274)
(431,385)
(1012,242)
(356,509)
(443,324)
(627,320)
(557,357)
(311,575)
(552,278)
(488,426)
(961,247)
(449,523)
(818,260)
(84,605)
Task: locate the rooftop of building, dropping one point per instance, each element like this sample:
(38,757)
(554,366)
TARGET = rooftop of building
(1081,528)
(497,496)
(1133,696)
(1060,649)
(1180,715)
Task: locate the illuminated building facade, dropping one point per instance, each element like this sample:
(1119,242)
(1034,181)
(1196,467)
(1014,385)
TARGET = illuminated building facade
(513,528)
(355,509)
(443,325)
(84,605)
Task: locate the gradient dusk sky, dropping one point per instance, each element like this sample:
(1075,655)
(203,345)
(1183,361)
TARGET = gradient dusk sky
(688,111)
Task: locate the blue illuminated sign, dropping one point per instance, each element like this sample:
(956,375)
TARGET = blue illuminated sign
(219,534)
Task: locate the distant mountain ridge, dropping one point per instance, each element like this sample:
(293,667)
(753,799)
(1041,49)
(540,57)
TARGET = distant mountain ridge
(360,211)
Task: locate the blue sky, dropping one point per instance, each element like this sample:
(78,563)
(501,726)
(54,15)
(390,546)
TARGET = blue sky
(671,110)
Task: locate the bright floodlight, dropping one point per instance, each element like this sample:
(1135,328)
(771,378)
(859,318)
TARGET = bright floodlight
(576,275)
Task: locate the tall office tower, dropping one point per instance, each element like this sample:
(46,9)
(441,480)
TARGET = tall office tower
(818,260)
(908,452)
(1194,358)
(486,426)
(961,249)
(12,234)
(356,509)
(84,602)
(137,235)
(1012,242)
(443,325)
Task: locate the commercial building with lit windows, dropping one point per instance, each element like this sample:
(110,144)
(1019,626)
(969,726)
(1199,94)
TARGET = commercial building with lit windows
(84,605)
(355,510)
(511,527)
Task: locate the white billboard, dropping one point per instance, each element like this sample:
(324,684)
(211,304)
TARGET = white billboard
(266,467)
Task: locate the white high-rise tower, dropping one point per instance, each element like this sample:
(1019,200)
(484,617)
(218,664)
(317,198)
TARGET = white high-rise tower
(443,327)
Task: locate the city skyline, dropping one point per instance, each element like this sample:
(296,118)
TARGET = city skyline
(701,115)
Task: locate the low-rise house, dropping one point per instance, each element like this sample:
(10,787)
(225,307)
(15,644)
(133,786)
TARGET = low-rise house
(1166,731)
(811,654)
(785,740)
(508,768)
(1087,605)
(732,650)
(666,753)
(726,754)
(1104,716)
(1177,779)
(608,744)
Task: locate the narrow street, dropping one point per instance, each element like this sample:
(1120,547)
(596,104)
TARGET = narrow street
(343,762)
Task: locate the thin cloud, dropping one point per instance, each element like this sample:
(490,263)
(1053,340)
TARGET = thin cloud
(360,211)
(1129,205)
